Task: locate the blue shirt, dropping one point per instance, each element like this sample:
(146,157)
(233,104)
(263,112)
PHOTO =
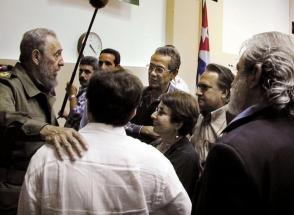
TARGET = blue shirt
(75,115)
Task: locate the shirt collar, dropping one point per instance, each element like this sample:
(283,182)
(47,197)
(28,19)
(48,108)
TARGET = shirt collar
(94,126)
(244,116)
(215,117)
(82,91)
(219,113)
(249,111)
(171,88)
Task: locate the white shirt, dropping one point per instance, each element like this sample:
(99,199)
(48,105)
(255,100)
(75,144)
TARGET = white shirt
(117,175)
(206,134)
(180,84)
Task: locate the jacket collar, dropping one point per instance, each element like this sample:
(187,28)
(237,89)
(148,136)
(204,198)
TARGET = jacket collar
(28,85)
(245,116)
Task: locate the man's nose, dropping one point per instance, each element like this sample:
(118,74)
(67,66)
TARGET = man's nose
(82,74)
(154,115)
(61,62)
(103,66)
(152,72)
(199,92)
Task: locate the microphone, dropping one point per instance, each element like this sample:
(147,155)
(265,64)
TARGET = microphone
(98,3)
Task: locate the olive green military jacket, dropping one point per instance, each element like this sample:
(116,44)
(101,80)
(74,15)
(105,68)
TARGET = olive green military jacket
(24,110)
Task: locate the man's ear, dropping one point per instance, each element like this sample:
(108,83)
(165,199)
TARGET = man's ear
(174,74)
(133,113)
(225,95)
(178,125)
(255,76)
(36,56)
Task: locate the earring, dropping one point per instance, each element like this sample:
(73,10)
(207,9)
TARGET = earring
(177,135)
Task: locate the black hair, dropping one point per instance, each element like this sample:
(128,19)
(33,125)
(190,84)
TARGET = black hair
(113,52)
(91,61)
(225,77)
(113,96)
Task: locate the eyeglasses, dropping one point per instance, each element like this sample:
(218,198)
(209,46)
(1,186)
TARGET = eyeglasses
(156,68)
(203,87)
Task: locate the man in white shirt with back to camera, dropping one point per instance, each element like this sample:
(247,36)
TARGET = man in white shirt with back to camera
(117,175)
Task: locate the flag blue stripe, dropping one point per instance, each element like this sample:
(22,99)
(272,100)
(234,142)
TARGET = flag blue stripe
(201,66)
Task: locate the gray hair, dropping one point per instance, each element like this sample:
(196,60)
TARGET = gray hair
(273,52)
(33,39)
(170,50)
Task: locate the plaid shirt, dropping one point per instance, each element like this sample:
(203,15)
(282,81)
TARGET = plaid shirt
(75,115)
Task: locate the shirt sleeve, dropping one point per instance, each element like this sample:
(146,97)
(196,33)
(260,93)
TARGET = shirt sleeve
(174,196)
(133,129)
(29,200)
(13,120)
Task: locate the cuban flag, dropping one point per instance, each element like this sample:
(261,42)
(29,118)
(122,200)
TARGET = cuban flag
(203,56)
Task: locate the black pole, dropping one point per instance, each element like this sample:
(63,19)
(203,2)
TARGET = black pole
(60,113)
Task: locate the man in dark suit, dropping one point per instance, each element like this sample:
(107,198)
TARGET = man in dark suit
(250,171)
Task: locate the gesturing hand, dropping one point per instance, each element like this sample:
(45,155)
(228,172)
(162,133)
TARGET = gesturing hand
(149,132)
(67,138)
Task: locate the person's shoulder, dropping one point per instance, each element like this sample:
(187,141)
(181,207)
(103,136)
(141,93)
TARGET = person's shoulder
(185,150)
(8,78)
(155,159)
(5,74)
(144,147)
(141,146)
(146,90)
(43,155)
(6,71)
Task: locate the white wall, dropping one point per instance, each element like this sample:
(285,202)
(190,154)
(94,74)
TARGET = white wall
(230,22)
(184,30)
(133,30)
(137,30)
(242,19)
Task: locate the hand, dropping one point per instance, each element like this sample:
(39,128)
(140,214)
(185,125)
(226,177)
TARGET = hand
(148,131)
(71,89)
(63,115)
(68,138)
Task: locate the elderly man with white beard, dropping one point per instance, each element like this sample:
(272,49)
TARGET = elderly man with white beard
(250,170)
(27,118)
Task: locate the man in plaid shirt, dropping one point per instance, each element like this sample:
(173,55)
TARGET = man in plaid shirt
(88,66)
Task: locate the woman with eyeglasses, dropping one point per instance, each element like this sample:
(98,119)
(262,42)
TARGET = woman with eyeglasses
(173,120)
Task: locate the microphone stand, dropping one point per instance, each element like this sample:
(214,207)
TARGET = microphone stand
(60,113)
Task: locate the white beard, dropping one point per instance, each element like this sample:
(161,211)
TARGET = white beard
(46,78)
(239,97)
